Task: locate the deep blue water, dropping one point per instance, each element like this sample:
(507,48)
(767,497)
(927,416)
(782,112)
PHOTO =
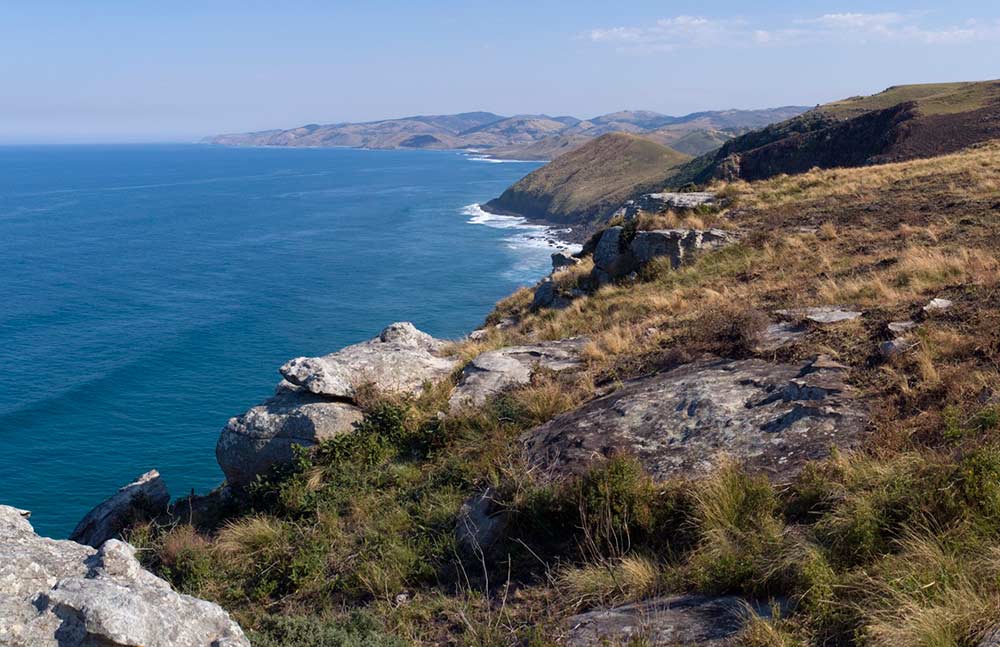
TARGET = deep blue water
(148,293)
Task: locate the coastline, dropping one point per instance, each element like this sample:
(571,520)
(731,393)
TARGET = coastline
(573,234)
(527,232)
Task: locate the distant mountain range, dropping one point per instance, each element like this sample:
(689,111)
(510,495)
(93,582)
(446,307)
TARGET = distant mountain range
(522,136)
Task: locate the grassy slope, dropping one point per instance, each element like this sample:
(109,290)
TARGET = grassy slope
(933,98)
(896,545)
(591,181)
(902,122)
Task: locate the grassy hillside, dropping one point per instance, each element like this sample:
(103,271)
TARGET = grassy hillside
(588,183)
(902,122)
(894,544)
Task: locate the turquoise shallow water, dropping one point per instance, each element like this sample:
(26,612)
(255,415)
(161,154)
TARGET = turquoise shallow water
(148,293)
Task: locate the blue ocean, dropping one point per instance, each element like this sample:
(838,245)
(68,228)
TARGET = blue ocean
(148,293)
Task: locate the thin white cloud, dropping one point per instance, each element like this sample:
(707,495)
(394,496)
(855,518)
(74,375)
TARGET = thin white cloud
(690,32)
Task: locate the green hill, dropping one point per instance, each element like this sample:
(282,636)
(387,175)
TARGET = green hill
(588,183)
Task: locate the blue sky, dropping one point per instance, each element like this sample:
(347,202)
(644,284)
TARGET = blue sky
(132,71)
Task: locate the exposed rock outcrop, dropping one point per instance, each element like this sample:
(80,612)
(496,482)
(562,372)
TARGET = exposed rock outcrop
(821,314)
(400,359)
(494,371)
(264,436)
(657,202)
(64,594)
(147,495)
(680,423)
(681,621)
(937,305)
(562,260)
(615,256)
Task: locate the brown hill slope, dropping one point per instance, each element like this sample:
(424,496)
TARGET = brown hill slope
(588,183)
(900,123)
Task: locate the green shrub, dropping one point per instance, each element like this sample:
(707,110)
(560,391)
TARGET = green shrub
(979,477)
(359,630)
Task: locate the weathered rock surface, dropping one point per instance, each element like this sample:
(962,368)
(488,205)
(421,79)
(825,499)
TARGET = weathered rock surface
(401,359)
(899,327)
(612,254)
(991,638)
(64,594)
(680,423)
(147,495)
(678,621)
(676,244)
(657,202)
(494,371)
(263,436)
(937,305)
(562,260)
(481,523)
(821,314)
(614,257)
(781,334)
(896,346)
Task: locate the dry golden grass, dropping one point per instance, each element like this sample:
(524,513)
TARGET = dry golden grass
(261,537)
(972,173)
(619,581)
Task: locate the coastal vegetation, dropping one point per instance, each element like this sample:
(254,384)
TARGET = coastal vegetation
(891,543)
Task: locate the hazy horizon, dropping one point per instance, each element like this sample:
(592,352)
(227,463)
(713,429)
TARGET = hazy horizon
(115,72)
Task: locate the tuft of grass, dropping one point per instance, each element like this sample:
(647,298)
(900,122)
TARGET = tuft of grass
(609,582)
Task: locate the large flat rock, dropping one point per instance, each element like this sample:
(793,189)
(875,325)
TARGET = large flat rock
(678,621)
(401,359)
(494,371)
(64,594)
(264,436)
(683,422)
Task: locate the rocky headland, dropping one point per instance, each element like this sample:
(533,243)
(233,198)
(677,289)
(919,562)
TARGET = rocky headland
(758,413)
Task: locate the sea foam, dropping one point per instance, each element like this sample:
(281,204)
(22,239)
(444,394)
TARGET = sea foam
(524,236)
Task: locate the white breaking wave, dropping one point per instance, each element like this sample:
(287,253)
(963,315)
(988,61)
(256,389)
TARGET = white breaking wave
(526,237)
(493,160)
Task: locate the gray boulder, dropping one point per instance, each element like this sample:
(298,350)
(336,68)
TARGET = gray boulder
(147,495)
(676,244)
(821,314)
(64,594)
(401,359)
(614,258)
(679,621)
(681,423)
(548,295)
(612,254)
(937,305)
(480,524)
(562,260)
(494,371)
(264,436)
